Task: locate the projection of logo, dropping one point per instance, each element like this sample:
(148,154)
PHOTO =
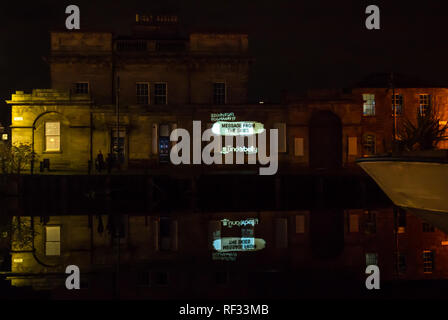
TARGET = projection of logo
(239,223)
(224,256)
(229,116)
(237,128)
(246,150)
(238,244)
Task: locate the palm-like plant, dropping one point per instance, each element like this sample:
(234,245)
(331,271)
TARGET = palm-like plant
(425,135)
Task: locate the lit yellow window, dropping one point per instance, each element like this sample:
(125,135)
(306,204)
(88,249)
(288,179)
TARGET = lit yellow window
(52,136)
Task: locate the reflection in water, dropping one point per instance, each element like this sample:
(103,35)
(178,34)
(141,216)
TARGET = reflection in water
(159,248)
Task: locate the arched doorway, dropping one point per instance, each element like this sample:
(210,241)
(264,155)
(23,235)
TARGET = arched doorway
(325,140)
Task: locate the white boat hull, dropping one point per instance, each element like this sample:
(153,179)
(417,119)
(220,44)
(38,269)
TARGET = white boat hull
(419,186)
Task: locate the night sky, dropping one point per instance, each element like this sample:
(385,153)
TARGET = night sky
(296,44)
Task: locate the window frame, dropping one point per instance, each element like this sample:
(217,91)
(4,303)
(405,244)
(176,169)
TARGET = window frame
(429,102)
(148,96)
(46,150)
(215,95)
(394,98)
(431,262)
(371,106)
(156,96)
(364,143)
(82,82)
(47,241)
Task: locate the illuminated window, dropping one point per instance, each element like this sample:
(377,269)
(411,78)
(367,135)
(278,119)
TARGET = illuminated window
(118,142)
(219,93)
(354,223)
(160,93)
(397,101)
(164,143)
(82,87)
(427,227)
(425,103)
(52,136)
(428,261)
(53,240)
(300,223)
(369,222)
(371,259)
(142,89)
(369,144)
(298,147)
(369,104)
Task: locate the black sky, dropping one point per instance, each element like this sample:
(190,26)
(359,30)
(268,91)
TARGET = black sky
(296,44)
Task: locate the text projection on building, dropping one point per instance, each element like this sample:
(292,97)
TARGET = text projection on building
(237,128)
(232,236)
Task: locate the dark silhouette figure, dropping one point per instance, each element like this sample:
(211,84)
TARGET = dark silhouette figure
(109,161)
(99,162)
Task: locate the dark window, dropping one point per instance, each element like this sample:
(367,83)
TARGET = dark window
(221,278)
(428,261)
(400,263)
(161,278)
(219,93)
(160,93)
(143,279)
(425,103)
(427,227)
(397,101)
(370,222)
(142,93)
(82,87)
(369,144)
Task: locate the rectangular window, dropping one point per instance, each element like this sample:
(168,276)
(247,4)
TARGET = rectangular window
(352,146)
(219,93)
(167,234)
(397,101)
(82,87)
(281,233)
(371,259)
(300,223)
(354,223)
(369,222)
(401,221)
(369,144)
(164,143)
(427,227)
(118,144)
(400,263)
(369,104)
(298,147)
(281,127)
(425,103)
(53,136)
(53,240)
(160,94)
(142,89)
(428,261)
(160,278)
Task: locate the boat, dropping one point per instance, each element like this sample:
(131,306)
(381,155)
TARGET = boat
(414,181)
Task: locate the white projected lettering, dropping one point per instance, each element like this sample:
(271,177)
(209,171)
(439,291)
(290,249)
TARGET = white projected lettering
(228,128)
(239,223)
(247,150)
(224,256)
(238,244)
(223,116)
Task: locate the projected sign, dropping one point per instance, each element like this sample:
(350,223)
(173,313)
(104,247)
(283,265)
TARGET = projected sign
(237,128)
(224,116)
(238,244)
(239,223)
(224,256)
